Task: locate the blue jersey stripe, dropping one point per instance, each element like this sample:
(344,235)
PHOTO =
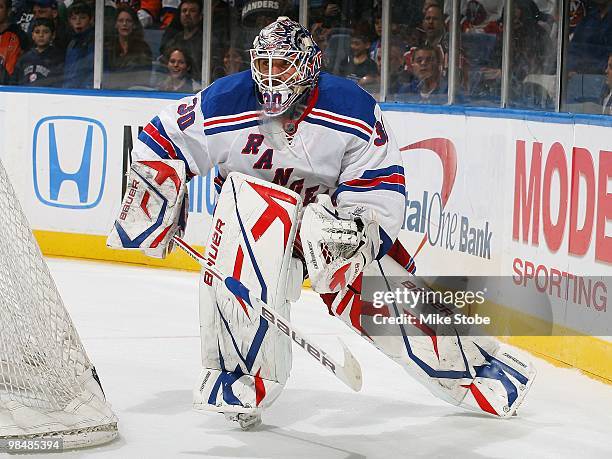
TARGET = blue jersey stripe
(160,127)
(355,102)
(381,186)
(338,127)
(375,173)
(153,145)
(231,127)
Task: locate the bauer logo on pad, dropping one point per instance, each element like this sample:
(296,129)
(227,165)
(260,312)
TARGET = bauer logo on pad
(69,161)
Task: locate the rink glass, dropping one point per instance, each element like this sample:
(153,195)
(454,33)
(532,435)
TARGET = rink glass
(546,62)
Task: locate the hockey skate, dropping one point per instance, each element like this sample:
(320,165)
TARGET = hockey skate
(247,421)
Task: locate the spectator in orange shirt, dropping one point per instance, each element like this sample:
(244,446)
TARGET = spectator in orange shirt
(12,43)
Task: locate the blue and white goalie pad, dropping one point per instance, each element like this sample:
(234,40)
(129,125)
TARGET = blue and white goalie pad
(154,208)
(477,373)
(245,359)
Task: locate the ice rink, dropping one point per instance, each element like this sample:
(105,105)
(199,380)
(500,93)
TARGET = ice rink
(140,328)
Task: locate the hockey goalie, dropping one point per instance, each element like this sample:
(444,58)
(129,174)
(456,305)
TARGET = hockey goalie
(310,184)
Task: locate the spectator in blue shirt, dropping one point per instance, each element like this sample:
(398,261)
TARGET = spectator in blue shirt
(43,64)
(592,40)
(49,9)
(427,86)
(79,64)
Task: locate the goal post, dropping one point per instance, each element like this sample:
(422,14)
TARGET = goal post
(48,386)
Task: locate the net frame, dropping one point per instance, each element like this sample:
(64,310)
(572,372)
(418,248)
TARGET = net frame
(48,386)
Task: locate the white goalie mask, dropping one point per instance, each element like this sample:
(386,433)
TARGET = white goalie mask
(285,64)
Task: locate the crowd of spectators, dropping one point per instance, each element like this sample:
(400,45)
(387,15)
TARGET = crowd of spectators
(158,44)
(420,32)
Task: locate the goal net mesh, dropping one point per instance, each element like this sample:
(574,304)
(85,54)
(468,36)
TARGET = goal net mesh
(48,386)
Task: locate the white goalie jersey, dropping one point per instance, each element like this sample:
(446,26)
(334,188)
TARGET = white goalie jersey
(340,147)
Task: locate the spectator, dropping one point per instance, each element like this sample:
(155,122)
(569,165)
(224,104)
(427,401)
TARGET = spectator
(168,12)
(133,4)
(397,74)
(233,62)
(12,43)
(433,34)
(332,16)
(607,96)
(43,64)
(577,12)
(147,10)
(531,51)
(427,4)
(22,14)
(409,13)
(479,16)
(79,62)
(178,62)
(320,34)
(427,86)
(186,32)
(375,46)
(359,67)
(592,39)
(128,57)
(49,9)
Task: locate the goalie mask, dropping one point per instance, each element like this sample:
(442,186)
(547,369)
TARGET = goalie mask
(285,64)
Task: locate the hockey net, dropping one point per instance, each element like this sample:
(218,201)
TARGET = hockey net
(48,386)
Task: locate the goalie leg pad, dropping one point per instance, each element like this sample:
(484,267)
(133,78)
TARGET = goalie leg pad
(476,373)
(245,361)
(154,208)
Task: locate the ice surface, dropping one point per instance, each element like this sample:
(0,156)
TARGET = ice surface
(140,328)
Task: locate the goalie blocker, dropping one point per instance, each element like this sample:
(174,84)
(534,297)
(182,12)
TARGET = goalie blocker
(154,208)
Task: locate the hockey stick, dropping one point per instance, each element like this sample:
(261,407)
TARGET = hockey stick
(349,373)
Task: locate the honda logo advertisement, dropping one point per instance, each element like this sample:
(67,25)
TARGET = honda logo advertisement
(69,161)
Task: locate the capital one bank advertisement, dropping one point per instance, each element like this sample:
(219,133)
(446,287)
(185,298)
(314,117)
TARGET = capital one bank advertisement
(454,187)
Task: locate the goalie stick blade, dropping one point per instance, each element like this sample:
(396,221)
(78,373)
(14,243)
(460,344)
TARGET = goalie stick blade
(351,369)
(349,373)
